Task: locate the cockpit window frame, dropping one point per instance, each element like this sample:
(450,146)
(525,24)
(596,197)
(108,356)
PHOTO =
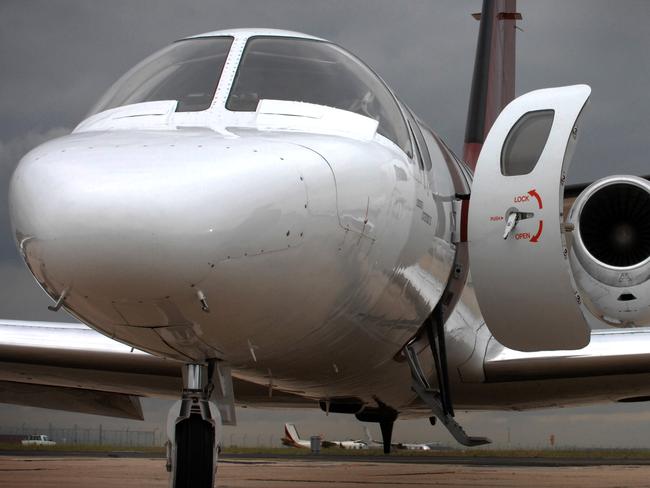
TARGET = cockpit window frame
(398,106)
(217,79)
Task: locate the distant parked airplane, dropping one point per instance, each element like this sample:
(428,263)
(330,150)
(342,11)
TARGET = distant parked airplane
(292,438)
(401,445)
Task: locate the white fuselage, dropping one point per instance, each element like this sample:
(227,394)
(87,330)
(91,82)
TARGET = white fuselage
(284,241)
(302,243)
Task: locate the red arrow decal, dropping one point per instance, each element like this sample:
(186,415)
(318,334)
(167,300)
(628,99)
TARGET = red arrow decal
(536,237)
(533,193)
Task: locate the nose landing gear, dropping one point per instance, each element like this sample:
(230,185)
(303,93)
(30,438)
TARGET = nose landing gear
(194,431)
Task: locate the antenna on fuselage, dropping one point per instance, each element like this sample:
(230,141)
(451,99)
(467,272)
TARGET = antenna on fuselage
(493,81)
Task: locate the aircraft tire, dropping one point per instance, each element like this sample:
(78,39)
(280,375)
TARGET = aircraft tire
(194,465)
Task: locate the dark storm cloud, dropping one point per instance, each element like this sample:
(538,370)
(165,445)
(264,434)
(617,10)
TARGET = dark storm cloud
(606,47)
(58,56)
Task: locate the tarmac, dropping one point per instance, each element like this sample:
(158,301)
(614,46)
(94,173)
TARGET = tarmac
(126,472)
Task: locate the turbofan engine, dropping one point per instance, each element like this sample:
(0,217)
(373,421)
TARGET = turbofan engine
(610,251)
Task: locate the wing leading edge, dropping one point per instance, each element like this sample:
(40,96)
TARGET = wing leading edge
(72,367)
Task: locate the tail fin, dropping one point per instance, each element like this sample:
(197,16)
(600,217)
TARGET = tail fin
(493,82)
(291,433)
(368,436)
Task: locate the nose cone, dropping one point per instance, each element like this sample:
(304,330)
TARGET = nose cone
(147,215)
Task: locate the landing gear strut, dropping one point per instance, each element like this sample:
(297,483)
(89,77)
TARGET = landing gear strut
(385,417)
(438,400)
(194,430)
(386,427)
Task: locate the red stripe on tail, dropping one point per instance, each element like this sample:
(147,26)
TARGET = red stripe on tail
(493,82)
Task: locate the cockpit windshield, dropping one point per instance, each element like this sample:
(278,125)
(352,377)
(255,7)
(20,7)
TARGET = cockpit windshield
(188,71)
(312,71)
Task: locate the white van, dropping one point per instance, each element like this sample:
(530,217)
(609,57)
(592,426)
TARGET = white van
(38,440)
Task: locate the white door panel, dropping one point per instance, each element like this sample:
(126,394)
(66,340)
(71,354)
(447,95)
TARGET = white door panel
(519,259)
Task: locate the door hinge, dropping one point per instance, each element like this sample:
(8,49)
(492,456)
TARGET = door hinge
(459,213)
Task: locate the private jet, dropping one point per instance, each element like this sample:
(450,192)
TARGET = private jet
(252,217)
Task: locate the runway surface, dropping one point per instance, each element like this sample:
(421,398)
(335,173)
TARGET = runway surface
(419,458)
(104,472)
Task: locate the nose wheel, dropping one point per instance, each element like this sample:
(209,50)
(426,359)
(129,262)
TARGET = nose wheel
(194,430)
(196,452)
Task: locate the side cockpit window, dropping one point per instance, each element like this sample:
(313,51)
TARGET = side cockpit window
(312,71)
(188,71)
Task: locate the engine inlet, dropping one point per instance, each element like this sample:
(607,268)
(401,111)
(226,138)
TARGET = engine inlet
(610,250)
(615,225)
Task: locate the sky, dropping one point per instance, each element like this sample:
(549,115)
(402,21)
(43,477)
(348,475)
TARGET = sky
(58,56)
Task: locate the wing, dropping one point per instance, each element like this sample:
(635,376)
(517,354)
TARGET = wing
(72,367)
(623,352)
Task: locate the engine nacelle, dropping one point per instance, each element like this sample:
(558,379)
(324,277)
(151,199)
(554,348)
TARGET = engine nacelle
(610,250)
